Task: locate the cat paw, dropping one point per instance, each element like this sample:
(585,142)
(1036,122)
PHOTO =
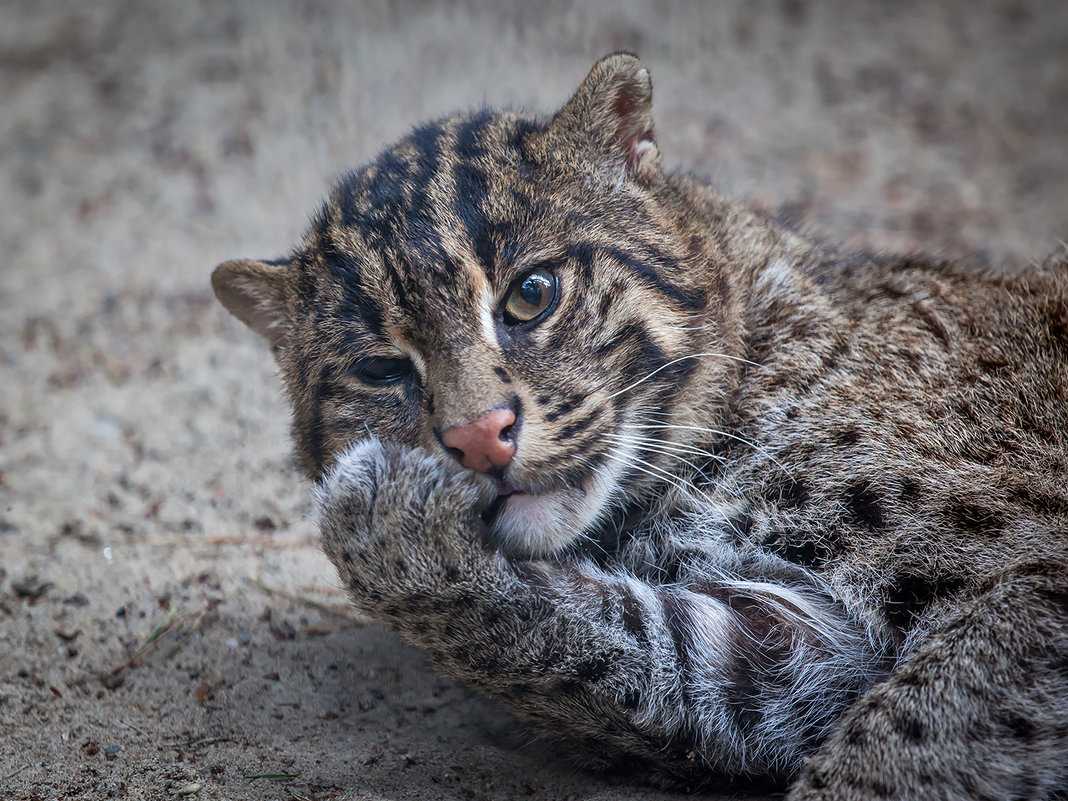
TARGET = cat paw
(400,522)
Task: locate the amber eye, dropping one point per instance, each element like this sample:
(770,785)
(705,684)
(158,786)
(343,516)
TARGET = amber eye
(529,297)
(381,370)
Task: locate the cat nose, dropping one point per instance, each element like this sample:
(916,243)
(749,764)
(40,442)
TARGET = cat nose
(484,443)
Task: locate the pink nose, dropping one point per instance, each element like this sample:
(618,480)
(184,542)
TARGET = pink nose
(482,442)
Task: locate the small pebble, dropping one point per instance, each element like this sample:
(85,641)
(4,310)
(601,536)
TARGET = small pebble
(191,788)
(282,630)
(30,587)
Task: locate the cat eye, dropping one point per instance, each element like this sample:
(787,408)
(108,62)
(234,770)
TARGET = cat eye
(530,296)
(382,370)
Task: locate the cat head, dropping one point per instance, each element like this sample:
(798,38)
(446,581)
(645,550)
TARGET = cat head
(518,294)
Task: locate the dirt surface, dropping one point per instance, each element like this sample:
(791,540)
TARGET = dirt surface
(168,627)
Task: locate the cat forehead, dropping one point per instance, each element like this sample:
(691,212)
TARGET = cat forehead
(409,236)
(456,191)
(443,189)
(444,173)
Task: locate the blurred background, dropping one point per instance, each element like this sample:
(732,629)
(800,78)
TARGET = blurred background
(170,624)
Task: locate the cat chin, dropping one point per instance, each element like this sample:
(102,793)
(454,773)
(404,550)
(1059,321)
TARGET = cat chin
(531,526)
(538,525)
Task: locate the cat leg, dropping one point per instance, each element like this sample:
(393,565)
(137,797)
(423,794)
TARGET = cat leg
(689,678)
(978,711)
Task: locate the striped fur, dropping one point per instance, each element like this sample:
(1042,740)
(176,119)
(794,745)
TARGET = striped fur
(782,512)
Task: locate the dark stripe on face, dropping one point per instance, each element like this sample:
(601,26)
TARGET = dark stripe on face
(383,188)
(687,298)
(565,473)
(355,302)
(472,188)
(673,374)
(397,192)
(565,407)
(648,358)
(606,303)
(310,430)
(583,255)
(577,427)
(427,141)
(307,283)
(398,283)
(631,332)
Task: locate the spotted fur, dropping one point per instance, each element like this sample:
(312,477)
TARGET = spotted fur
(779,512)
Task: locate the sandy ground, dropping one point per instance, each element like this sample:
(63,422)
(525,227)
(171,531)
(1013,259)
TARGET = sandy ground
(167,624)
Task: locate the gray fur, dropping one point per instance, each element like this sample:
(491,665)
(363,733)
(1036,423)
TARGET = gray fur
(793,513)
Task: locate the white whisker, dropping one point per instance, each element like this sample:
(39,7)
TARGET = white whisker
(653,447)
(681,446)
(681,359)
(654,471)
(717,432)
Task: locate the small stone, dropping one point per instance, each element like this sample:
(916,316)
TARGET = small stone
(66,634)
(191,788)
(282,629)
(30,587)
(264,524)
(203,692)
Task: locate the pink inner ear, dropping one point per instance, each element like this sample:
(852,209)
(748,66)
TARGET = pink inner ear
(628,100)
(632,136)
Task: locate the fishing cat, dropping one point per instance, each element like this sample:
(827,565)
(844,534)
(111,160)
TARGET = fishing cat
(682,487)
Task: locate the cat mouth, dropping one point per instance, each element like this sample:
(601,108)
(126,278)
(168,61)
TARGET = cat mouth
(504,492)
(529,522)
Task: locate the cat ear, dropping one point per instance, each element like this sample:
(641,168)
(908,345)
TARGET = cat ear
(612,113)
(255,293)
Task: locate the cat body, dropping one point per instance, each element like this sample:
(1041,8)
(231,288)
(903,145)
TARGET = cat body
(681,487)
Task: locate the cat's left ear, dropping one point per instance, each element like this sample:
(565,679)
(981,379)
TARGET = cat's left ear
(255,292)
(610,117)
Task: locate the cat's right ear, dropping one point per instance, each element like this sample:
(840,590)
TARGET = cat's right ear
(255,293)
(610,116)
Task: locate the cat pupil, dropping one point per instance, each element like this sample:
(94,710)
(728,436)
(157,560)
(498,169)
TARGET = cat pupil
(532,290)
(530,296)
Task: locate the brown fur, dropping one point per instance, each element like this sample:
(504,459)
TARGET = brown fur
(850,481)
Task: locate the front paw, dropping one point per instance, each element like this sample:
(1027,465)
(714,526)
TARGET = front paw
(400,522)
